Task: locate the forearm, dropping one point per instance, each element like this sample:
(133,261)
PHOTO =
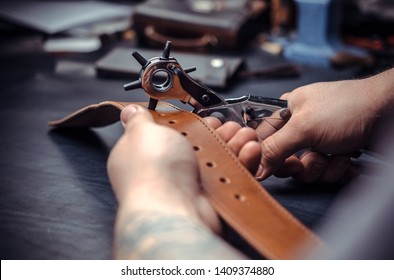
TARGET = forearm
(152,235)
(380,89)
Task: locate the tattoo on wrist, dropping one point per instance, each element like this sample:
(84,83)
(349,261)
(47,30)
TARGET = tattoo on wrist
(158,236)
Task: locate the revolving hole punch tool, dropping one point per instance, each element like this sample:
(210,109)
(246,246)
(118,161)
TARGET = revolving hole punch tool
(164,78)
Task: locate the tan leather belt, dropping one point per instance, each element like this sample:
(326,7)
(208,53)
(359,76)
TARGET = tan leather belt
(234,193)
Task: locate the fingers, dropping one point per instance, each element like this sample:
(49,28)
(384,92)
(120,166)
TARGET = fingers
(228,130)
(250,156)
(273,123)
(242,141)
(237,137)
(291,166)
(336,170)
(213,122)
(240,138)
(285,96)
(133,115)
(314,164)
(321,168)
(279,146)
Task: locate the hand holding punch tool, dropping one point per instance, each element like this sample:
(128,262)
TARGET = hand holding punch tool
(164,78)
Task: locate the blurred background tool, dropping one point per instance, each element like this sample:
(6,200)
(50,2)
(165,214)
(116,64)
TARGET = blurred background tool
(318,36)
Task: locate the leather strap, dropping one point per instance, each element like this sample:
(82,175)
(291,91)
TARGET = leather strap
(234,193)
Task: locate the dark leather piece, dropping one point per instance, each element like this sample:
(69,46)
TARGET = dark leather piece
(227,24)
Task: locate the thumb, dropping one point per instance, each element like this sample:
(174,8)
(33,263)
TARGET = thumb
(279,146)
(133,115)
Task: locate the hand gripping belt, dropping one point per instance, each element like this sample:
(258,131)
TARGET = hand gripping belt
(234,193)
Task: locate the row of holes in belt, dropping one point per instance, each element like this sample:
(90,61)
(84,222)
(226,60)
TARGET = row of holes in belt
(210,164)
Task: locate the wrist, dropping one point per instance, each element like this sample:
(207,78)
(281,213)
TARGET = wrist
(157,195)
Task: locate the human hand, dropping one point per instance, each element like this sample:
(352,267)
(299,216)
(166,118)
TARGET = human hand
(153,168)
(313,167)
(242,141)
(148,153)
(327,118)
(162,214)
(305,166)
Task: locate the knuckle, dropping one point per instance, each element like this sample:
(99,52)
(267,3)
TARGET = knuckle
(232,125)
(249,133)
(269,150)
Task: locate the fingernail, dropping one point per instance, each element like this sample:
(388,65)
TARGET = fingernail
(285,113)
(262,173)
(127,112)
(259,171)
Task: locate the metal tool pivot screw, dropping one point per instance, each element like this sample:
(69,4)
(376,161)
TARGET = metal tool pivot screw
(144,62)
(205,97)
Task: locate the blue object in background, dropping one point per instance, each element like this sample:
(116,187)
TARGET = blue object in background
(318,33)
